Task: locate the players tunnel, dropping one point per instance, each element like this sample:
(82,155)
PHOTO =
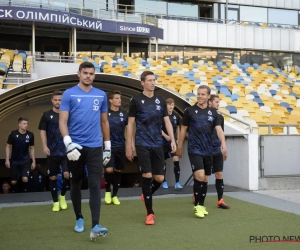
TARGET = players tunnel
(32,99)
(36,92)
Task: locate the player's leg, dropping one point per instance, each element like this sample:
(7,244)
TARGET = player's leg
(176,171)
(66,183)
(94,162)
(197,164)
(109,175)
(144,160)
(219,184)
(120,161)
(207,161)
(25,170)
(76,169)
(52,171)
(157,166)
(166,157)
(14,173)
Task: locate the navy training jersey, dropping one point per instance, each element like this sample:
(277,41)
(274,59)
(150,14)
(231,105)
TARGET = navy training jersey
(174,119)
(201,123)
(50,123)
(216,143)
(149,114)
(85,109)
(20,145)
(117,123)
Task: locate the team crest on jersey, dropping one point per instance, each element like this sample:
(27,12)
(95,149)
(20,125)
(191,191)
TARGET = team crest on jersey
(196,111)
(108,114)
(96,105)
(51,116)
(158,107)
(27,138)
(17,135)
(121,114)
(209,112)
(174,117)
(142,101)
(157,101)
(210,118)
(121,119)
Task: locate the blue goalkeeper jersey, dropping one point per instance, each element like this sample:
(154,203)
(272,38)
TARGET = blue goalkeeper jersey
(85,109)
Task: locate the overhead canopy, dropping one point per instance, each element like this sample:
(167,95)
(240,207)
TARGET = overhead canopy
(36,92)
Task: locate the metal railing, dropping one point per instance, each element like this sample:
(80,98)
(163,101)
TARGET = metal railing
(92,8)
(270,126)
(129,13)
(55,58)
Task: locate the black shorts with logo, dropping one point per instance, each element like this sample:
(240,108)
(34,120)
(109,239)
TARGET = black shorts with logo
(56,165)
(218,163)
(200,162)
(90,157)
(168,152)
(151,160)
(118,158)
(23,168)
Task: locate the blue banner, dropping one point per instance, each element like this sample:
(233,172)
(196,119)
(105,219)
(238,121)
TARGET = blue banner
(65,18)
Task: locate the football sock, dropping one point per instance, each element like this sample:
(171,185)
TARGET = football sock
(146,189)
(176,171)
(53,189)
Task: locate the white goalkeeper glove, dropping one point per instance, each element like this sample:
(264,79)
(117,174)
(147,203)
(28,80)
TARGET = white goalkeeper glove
(106,152)
(72,149)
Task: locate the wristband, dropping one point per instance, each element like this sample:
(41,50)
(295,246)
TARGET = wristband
(67,140)
(107,145)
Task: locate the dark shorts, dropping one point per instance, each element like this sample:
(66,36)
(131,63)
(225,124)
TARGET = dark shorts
(168,152)
(118,158)
(90,157)
(56,165)
(199,162)
(23,168)
(218,163)
(151,160)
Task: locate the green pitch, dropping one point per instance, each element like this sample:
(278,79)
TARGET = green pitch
(176,228)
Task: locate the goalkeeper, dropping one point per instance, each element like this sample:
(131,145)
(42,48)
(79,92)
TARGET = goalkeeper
(82,121)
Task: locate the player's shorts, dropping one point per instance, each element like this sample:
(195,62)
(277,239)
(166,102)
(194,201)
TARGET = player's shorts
(218,163)
(23,168)
(118,158)
(168,152)
(56,165)
(90,157)
(151,160)
(199,162)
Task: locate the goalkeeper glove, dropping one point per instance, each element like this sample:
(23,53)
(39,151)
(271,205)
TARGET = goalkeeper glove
(72,149)
(106,152)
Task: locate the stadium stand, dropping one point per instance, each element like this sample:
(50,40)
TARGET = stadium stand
(256,94)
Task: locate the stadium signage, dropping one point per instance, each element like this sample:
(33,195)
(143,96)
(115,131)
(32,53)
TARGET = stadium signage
(64,18)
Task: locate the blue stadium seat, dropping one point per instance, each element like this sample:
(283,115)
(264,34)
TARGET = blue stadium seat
(169,72)
(254,93)
(259,101)
(273,92)
(126,73)
(189,95)
(95,56)
(235,97)
(287,105)
(232,109)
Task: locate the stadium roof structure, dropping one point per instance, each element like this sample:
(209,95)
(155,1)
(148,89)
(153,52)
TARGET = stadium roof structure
(37,91)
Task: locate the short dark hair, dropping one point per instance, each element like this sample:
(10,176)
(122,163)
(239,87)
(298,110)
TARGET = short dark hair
(22,119)
(205,87)
(112,93)
(86,65)
(213,97)
(57,92)
(145,74)
(170,101)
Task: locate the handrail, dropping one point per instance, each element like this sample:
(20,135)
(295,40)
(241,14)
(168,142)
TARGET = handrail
(238,120)
(278,125)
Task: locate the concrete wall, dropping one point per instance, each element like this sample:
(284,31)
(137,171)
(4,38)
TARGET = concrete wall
(48,69)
